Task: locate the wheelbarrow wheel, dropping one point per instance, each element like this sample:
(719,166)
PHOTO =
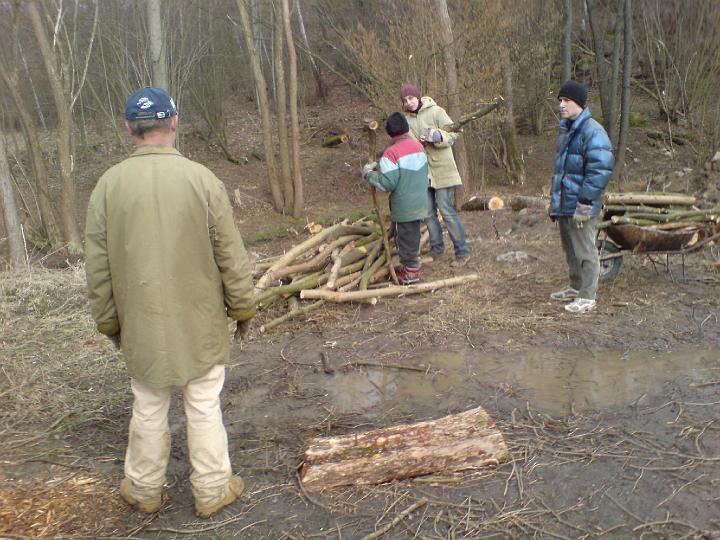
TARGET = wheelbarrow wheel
(609,266)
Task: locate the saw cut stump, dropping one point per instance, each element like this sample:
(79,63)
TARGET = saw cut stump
(467,440)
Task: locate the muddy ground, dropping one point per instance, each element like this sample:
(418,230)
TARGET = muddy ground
(610,417)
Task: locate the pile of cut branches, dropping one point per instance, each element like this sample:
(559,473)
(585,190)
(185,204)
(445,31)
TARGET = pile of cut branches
(661,211)
(343,263)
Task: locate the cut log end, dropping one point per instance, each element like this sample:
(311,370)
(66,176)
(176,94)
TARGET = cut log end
(496,203)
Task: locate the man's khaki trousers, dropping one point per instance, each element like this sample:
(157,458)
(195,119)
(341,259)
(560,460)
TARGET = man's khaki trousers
(148,448)
(581,255)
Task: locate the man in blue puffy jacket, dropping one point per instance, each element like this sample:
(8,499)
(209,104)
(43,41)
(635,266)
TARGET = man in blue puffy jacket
(583,167)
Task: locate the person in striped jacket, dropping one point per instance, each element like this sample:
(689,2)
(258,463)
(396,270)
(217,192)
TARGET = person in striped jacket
(403,172)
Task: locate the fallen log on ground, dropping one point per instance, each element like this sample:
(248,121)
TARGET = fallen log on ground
(483,203)
(467,440)
(513,202)
(649,198)
(334,140)
(398,290)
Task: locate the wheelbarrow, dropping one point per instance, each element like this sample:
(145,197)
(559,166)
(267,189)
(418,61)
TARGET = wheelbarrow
(616,241)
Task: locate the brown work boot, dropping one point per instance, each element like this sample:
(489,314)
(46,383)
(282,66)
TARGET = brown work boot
(147,504)
(233,490)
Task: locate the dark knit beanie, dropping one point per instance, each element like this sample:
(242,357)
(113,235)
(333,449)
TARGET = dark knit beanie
(574,91)
(396,124)
(409,90)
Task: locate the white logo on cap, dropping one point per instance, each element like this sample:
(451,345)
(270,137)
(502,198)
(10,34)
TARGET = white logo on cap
(145,103)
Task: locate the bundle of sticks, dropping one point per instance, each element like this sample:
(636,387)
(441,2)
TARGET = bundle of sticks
(342,263)
(662,211)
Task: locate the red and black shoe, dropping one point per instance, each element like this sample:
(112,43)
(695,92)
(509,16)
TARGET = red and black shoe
(407,275)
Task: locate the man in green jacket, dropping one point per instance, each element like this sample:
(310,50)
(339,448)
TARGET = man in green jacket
(427,120)
(165,268)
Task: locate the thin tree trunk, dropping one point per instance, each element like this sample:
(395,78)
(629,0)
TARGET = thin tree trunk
(567,42)
(10,213)
(281,97)
(600,68)
(625,105)
(448,47)
(158,56)
(321,92)
(615,71)
(47,215)
(64,132)
(298,201)
(41,116)
(514,163)
(263,106)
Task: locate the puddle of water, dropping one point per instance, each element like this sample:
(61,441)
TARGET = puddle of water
(553,381)
(558,381)
(363,389)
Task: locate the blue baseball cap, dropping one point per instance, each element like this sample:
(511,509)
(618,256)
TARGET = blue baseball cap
(150,103)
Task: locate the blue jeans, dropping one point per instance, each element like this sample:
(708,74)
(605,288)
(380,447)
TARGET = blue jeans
(443,199)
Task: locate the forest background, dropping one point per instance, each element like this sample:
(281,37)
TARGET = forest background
(68,66)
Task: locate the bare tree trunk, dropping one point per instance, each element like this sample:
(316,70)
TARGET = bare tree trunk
(158,56)
(514,164)
(448,46)
(625,105)
(321,92)
(298,201)
(41,116)
(567,42)
(615,71)
(64,132)
(281,97)
(47,215)
(263,106)
(10,213)
(600,68)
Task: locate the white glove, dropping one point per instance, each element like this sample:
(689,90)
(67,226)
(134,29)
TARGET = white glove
(432,135)
(367,168)
(583,212)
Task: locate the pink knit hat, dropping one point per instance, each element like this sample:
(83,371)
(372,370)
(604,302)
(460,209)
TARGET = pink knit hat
(409,90)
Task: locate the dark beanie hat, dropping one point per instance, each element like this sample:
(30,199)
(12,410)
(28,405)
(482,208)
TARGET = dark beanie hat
(574,91)
(409,90)
(396,124)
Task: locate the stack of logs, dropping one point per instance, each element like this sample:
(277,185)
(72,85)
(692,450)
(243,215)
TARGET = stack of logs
(660,211)
(342,263)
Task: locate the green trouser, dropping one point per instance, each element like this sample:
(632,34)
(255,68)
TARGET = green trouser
(581,254)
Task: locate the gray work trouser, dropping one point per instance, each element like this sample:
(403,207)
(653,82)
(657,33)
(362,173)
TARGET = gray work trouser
(407,240)
(581,254)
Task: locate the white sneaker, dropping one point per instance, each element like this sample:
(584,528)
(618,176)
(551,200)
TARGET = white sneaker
(568,293)
(580,305)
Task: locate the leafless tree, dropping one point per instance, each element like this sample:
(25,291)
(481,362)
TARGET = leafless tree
(600,65)
(10,213)
(9,63)
(298,199)
(448,48)
(65,87)
(320,86)
(158,48)
(625,106)
(263,106)
(281,100)
(567,41)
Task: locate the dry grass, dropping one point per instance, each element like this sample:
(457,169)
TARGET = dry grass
(57,372)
